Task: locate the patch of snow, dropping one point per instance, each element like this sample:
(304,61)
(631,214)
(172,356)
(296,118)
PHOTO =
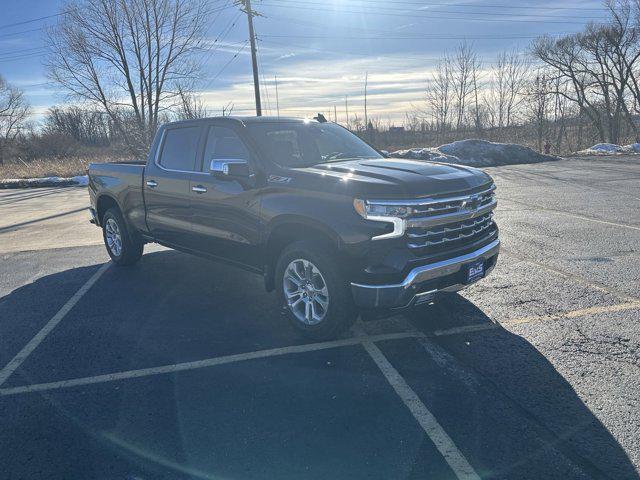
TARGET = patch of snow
(478,153)
(631,148)
(602,149)
(79,180)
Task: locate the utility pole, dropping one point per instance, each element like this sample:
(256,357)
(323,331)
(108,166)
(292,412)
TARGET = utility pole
(346,109)
(366,120)
(246,4)
(335,114)
(277,99)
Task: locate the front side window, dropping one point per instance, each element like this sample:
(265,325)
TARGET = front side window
(304,144)
(179,148)
(223,143)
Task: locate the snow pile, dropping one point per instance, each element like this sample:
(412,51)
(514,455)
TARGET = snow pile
(79,180)
(477,153)
(611,149)
(631,148)
(601,149)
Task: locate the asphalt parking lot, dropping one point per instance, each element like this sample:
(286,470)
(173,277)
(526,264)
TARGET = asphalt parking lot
(181,368)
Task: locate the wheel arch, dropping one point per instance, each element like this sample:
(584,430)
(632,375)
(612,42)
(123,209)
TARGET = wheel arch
(104,203)
(287,230)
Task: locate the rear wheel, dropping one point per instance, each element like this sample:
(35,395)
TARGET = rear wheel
(315,295)
(121,246)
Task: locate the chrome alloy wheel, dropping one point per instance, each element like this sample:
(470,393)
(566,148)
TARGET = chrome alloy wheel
(114,238)
(306,291)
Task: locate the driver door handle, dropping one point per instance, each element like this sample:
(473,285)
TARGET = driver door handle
(152,183)
(199,189)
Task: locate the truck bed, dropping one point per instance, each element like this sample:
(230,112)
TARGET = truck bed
(122,181)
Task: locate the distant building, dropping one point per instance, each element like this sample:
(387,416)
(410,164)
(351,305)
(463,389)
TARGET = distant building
(396,129)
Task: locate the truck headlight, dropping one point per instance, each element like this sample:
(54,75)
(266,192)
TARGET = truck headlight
(393,214)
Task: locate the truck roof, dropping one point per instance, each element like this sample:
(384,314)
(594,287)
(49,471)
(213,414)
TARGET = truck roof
(248,119)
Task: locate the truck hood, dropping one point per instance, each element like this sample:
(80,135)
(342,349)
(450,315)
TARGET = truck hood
(395,177)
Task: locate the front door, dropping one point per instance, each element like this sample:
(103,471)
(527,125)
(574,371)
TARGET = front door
(225,211)
(167,188)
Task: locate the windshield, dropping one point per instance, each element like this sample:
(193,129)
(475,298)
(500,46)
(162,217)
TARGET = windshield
(296,144)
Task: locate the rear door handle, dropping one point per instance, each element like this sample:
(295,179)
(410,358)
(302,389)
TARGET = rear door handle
(199,189)
(152,183)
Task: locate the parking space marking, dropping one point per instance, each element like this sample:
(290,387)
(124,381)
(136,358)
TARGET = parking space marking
(575,313)
(443,442)
(22,355)
(572,276)
(465,329)
(574,215)
(582,312)
(209,362)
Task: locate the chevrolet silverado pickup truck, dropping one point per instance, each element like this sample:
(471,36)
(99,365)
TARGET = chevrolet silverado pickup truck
(329,222)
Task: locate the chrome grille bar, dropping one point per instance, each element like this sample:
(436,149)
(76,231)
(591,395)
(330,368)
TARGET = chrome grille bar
(454,228)
(459,236)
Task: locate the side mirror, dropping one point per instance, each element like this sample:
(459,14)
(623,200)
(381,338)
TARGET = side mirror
(230,167)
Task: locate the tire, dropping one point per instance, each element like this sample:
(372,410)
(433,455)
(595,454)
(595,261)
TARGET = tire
(326,285)
(128,249)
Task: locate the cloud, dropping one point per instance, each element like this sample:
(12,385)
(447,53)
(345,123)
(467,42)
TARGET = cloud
(314,84)
(286,55)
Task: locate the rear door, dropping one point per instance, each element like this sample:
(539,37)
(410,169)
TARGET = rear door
(225,211)
(167,184)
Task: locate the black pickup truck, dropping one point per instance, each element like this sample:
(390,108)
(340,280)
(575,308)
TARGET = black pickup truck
(331,224)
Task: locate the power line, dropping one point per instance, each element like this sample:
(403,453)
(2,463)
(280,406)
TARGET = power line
(220,38)
(5,35)
(244,45)
(319,7)
(475,5)
(264,83)
(422,10)
(21,57)
(408,37)
(23,51)
(401,56)
(8,25)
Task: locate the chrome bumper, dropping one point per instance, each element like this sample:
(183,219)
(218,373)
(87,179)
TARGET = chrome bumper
(408,292)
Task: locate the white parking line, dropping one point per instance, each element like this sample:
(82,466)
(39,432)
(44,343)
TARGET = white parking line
(569,214)
(423,416)
(571,276)
(22,355)
(209,362)
(443,442)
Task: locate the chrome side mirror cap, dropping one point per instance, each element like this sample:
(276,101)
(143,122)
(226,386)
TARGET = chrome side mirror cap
(229,167)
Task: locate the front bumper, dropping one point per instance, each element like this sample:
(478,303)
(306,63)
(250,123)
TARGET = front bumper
(423,282)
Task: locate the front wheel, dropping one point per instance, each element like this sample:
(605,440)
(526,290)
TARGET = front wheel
(316,297)
(122,248)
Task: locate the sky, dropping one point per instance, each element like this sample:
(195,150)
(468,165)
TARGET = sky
(320,50)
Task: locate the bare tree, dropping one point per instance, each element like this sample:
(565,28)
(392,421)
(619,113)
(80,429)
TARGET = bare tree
(127,57)
(190,106)
(440,95)
(14,111)
(508,84)
(465,63)
(538,99)
(86,126)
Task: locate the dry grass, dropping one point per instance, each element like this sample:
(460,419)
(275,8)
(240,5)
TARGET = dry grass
(50,167)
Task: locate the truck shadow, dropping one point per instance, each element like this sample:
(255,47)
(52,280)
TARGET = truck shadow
(520,390)
(172,307)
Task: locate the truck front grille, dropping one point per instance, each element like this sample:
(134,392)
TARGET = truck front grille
(438,238)
(449,223)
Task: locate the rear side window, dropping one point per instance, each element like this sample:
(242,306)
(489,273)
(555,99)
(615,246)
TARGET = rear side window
(223,143)
(179,148)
